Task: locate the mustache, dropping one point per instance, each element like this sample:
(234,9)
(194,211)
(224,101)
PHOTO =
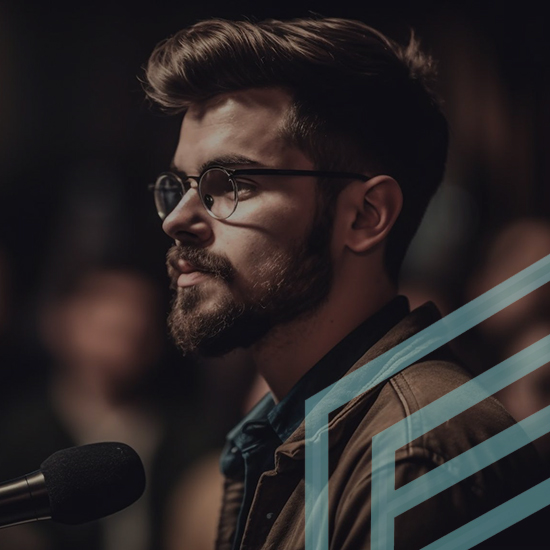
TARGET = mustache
(214,264)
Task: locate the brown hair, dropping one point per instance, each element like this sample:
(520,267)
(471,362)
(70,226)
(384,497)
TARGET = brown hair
(361,101)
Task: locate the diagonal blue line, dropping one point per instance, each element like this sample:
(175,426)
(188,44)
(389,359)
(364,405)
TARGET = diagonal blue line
(496,520)
(469,394)
(470,461)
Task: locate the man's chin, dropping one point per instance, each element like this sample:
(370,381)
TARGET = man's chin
(213,324)
(215,335)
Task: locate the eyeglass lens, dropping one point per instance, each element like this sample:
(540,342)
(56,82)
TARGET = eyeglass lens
(168,193)
(217,193)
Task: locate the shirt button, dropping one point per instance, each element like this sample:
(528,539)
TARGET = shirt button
(269,515)
(234,450)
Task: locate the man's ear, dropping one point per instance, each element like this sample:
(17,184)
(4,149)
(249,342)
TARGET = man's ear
(375,205)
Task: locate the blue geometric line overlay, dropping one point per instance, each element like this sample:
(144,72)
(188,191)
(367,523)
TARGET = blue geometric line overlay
(388,502)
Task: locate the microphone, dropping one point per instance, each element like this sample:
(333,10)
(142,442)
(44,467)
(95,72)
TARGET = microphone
(75,485)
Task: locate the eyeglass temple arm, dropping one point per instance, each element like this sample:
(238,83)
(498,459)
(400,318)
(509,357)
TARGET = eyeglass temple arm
(317,173)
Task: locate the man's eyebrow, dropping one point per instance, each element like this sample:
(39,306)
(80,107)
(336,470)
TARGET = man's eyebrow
(226,161)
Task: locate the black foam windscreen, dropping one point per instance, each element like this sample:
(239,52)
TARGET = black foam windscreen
(92,481)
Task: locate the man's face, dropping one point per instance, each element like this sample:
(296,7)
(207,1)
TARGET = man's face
(236,279)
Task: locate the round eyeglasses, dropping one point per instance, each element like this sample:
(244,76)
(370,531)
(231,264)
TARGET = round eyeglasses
(219,188)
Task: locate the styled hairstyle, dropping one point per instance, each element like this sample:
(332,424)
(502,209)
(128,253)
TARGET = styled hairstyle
(361,102)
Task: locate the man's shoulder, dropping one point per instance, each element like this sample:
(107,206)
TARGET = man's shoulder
(429,380)
(410,391)
(423,383)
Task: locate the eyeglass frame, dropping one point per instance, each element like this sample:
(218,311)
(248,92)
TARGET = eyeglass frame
(234,173)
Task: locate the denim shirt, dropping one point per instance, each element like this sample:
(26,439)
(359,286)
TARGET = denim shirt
(251,445)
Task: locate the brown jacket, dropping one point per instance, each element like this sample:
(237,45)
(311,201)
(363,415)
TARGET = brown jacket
(276,519)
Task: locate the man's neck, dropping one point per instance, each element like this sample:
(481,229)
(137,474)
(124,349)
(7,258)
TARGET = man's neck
(290,350)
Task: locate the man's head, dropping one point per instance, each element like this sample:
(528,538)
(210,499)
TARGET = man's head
(328,95)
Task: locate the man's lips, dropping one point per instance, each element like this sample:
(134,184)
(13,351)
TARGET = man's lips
(190,279)
(187,266)
(189,274)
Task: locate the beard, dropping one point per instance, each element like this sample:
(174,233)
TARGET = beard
(294,283)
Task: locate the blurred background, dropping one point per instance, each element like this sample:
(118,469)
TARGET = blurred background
(84,354)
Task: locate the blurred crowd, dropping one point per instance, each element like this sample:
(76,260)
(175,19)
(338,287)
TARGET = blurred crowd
(84,351)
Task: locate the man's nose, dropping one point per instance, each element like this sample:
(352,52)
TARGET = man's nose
(189,222)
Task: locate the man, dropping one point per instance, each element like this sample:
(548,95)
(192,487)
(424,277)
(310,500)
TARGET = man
(308,152)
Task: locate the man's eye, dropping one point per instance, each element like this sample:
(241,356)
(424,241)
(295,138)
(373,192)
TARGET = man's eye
(245,187)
